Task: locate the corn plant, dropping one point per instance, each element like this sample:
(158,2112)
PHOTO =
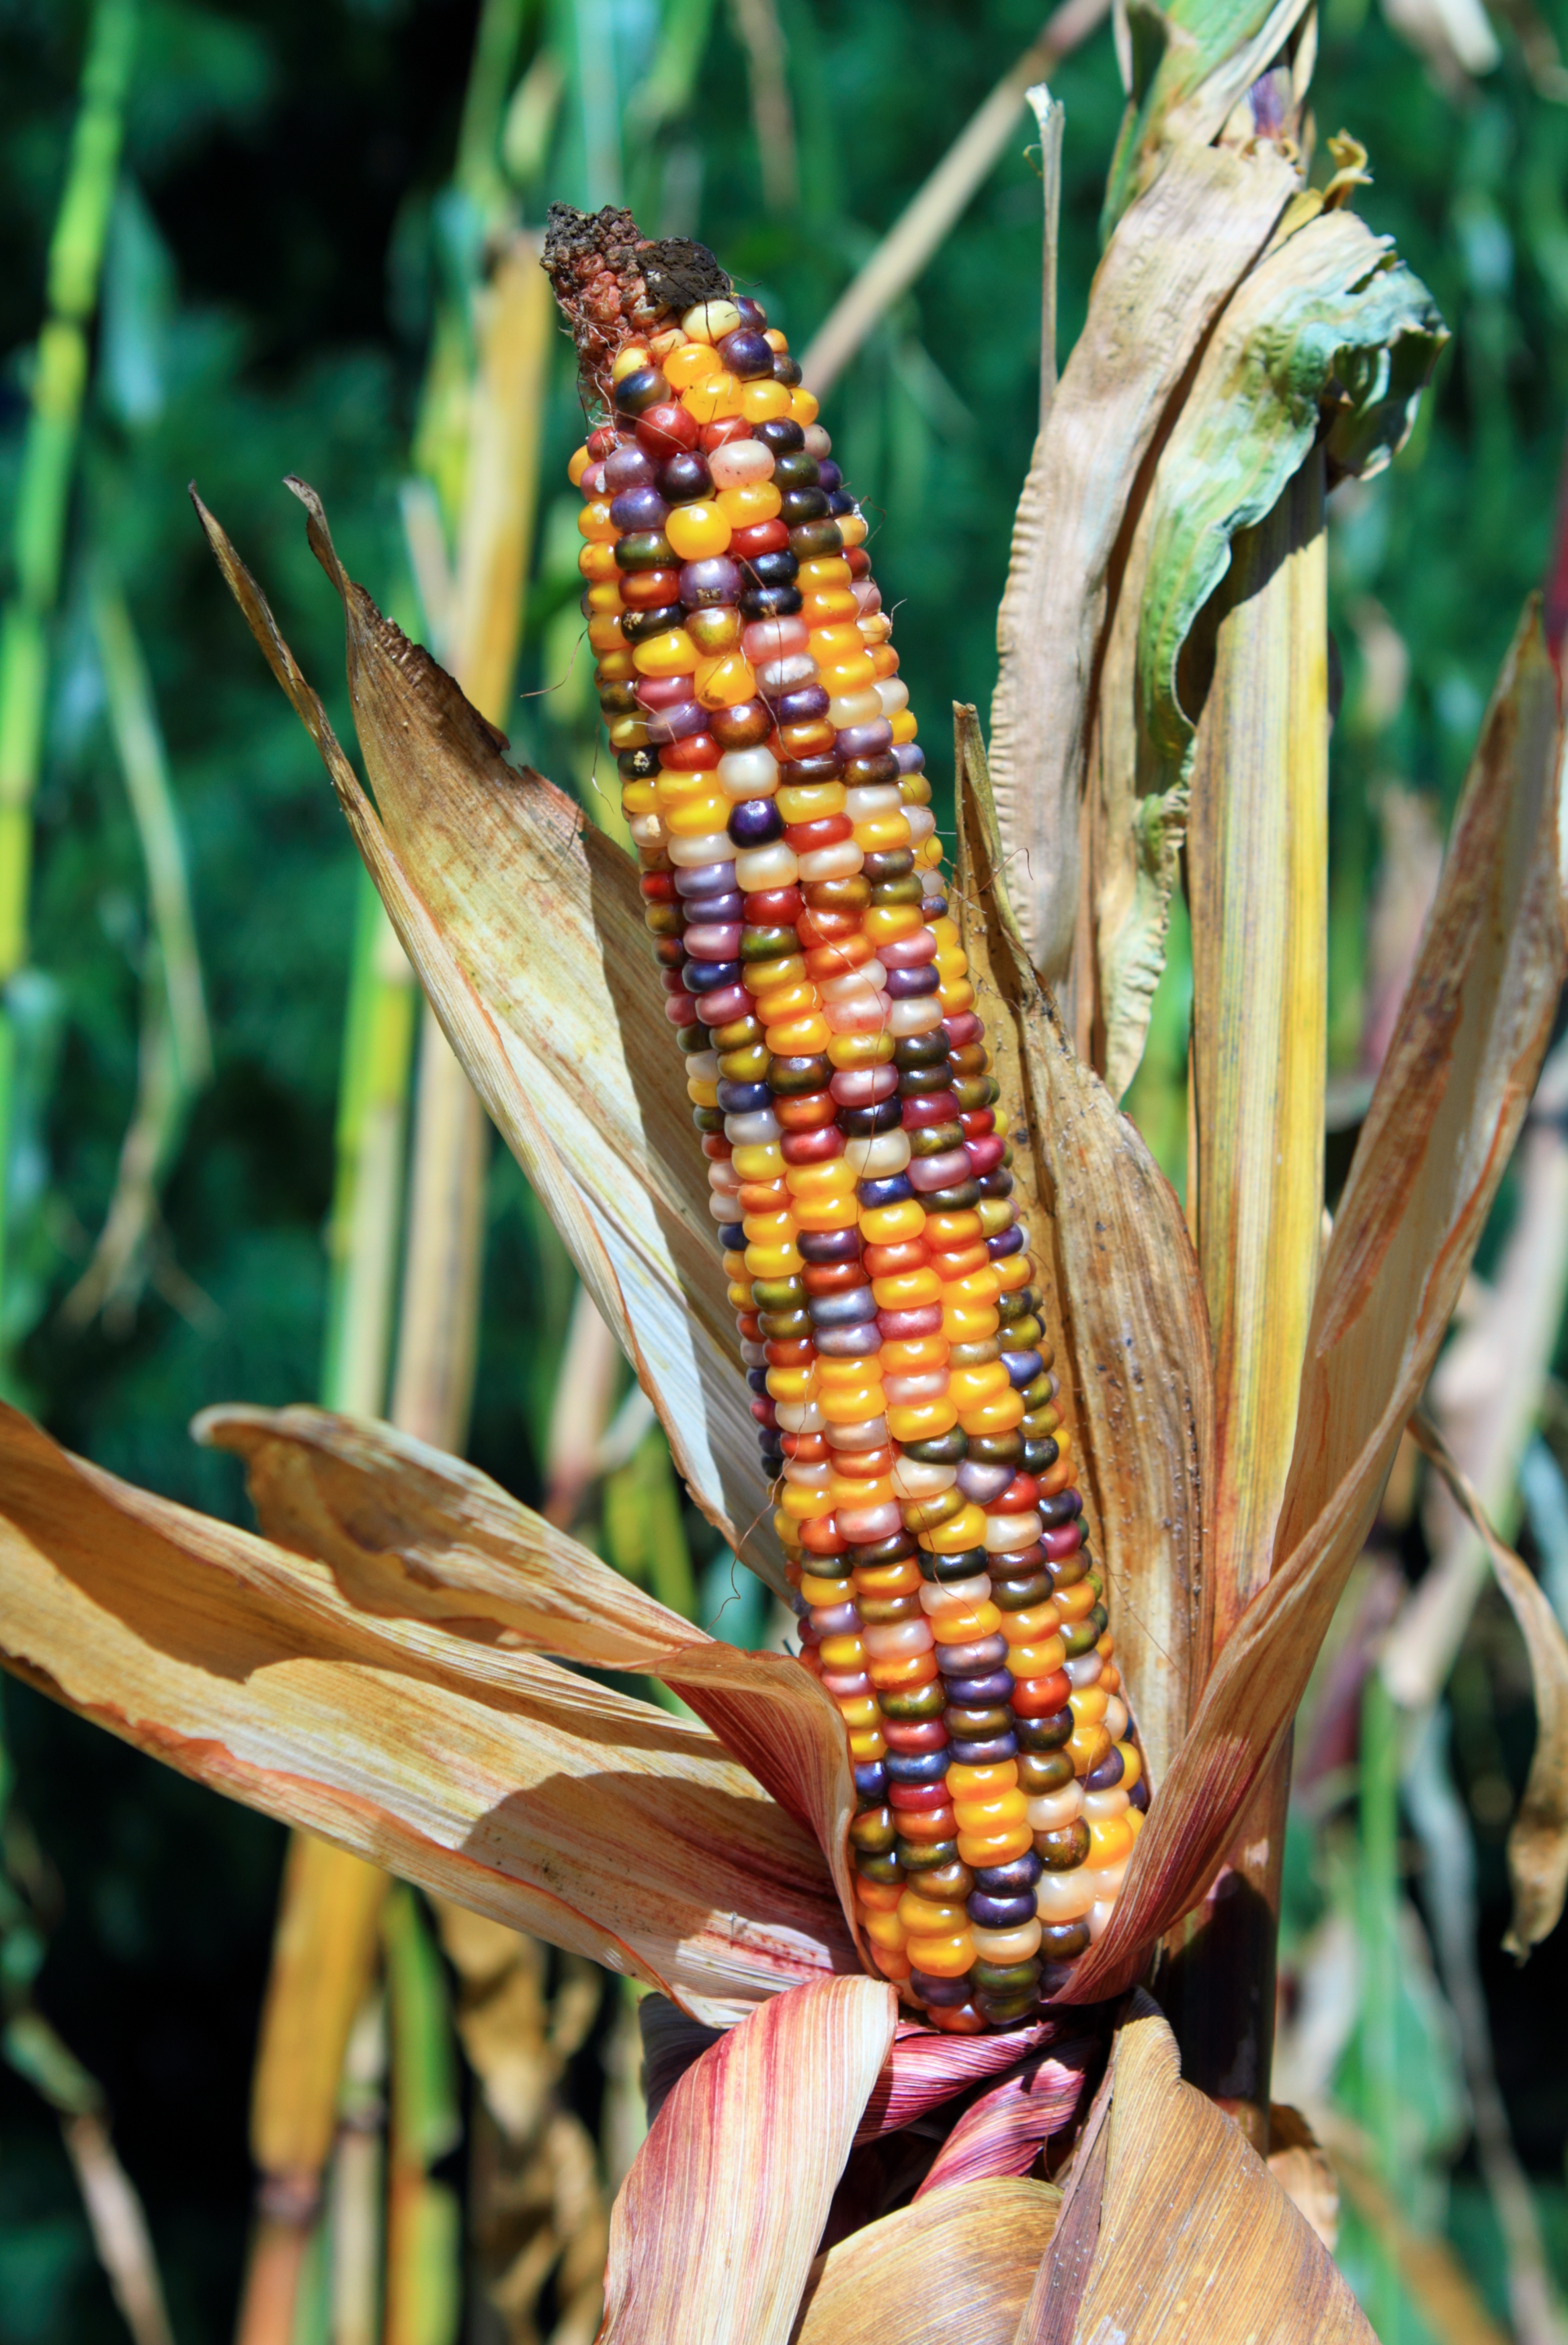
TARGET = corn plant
(841,2144)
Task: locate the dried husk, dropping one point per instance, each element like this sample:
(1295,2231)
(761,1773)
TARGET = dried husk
(1171,266)
(715,2227)
(1005,2130)
(1112,1243)
(1301,2168)
(925,2068)
(1538,1837)
(953,2270)
(495,1778)
(1172,2226)
(410,1531)
(525,930)
(1447,1108)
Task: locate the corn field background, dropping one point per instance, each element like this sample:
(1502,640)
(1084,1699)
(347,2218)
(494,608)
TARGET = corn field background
(281,237)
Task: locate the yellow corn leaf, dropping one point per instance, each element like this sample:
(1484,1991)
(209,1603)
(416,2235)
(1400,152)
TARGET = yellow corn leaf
(1169,268)
(323,1952)
(1537,1838)
(524,929)
(1258,872)
(954,2268)
(1173,2226)
(714,2228)
(1454,1089)
(495,1778)
(410,1532)
(1110,1233)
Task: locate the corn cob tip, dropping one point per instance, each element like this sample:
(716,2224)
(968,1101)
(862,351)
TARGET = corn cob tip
(613,282)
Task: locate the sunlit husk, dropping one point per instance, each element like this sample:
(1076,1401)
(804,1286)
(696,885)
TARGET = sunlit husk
(1448,1106)
(498,1778)
(1127,1293)
(715,2227)
(952,2270)
(525,930)
(1172,2226)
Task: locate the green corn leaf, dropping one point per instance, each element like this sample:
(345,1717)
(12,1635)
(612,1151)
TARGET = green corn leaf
(1186,67)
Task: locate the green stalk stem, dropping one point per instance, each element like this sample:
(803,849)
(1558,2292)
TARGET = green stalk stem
(372,1115)
(424,2258)
(176,1042)
(43,499)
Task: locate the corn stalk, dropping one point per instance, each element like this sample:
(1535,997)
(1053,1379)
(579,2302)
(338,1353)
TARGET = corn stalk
(39,529)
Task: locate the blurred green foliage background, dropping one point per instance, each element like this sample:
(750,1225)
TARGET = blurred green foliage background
(284,224)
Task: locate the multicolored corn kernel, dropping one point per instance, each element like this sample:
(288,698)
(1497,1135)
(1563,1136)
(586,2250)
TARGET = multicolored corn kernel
(890,1329)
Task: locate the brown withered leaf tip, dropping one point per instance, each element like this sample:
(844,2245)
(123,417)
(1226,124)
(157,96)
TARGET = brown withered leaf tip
(612,282)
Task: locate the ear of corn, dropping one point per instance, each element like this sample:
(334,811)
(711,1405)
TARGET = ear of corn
(890,1324)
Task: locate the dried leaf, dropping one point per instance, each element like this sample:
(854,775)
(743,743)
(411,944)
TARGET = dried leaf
(1191,61)
(1005,2130)
(1300,2167)
(1190,2218)
(1538,1837)
(717,2222)
(410,1532)
(953,2270)
(555,1016)
(1448,1105)
(1258,872)
(1485,1397)
(1169,268)
(925,2068)
(502,1780)
(1126,1288)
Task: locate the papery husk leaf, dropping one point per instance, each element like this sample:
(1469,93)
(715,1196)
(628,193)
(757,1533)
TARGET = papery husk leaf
(952,2270)
(495,1778)
(1005,2130)
(1191,62)
(1303,2169)
(925,2068)
(1449,1102)
(1110,1238)
(408,1531)
(1257,875)
(1329,312)
(714,2230)
(1172,264)
(525,930)
(1538,1837)
(1193,2234)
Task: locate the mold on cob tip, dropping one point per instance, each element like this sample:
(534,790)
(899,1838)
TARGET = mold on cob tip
(891,1328)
